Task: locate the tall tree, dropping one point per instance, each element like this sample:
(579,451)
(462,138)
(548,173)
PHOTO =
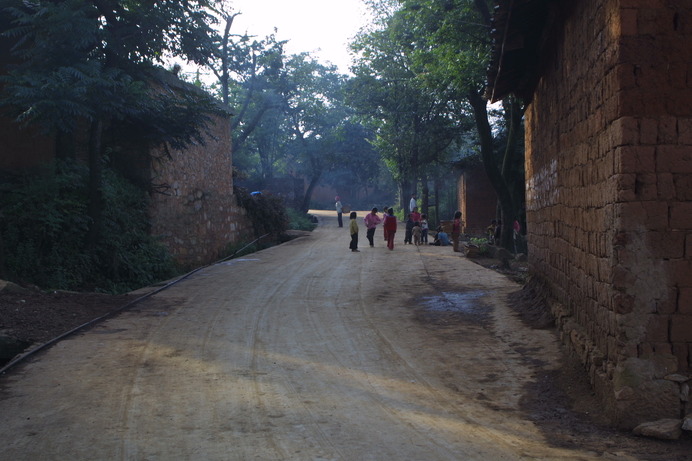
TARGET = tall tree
(453,43)
(93,61)
(415,124)
(448,43)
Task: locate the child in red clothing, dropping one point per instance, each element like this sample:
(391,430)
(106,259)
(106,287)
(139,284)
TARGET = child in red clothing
(390,227)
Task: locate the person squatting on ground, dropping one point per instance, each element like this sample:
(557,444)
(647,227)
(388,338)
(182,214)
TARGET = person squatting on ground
(456,230)
(409,229)
(390,227)
(371,221)
(339,210)
(441,238)
(424,229)
(353,229)
(417,232)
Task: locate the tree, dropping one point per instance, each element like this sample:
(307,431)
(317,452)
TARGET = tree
(448,45)
(453,43)
(415,124)
(94,61)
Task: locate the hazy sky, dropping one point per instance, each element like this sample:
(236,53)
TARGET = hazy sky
(321,27)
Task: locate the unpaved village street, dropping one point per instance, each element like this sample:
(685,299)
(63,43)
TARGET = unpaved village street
(304,351)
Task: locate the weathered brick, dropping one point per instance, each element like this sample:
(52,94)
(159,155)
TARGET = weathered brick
(679,271)
(657,328)
(685,300)
(628,22)
(635,159)
(681,351)
(668,245)
(666,187)
(651,215)
(648,131)
(612,121)
(681,215)
(681,328)
(673,159)
(623,303)
(685,131)
(683,186)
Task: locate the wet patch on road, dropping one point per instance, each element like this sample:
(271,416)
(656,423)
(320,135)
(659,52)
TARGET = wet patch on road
(467,307)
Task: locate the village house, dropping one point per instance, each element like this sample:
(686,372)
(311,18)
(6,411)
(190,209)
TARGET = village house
(609,187)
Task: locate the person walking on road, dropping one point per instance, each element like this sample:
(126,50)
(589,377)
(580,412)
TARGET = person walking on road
(412,205)
(371,221)
(390,227)
(353,229)
(339,210)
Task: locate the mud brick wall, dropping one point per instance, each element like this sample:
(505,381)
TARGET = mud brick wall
(477,201)
(198,216)
(609,199)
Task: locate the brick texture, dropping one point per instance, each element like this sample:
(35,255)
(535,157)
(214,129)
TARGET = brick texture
(609,170)
(198,216)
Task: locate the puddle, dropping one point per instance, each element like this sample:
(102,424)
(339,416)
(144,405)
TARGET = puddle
(456,302)
(468,306)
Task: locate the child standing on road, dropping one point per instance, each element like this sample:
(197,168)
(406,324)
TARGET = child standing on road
(371,222)
(409,229)
(417,232)
(353,229)
(424,229)
(390,227)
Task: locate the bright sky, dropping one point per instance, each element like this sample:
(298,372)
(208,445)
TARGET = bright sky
(321,27)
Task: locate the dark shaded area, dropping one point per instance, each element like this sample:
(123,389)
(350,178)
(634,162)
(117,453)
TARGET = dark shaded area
(562,404)
(35,317)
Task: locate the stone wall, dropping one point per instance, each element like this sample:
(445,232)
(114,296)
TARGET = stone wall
(609,199)
(198,217)
(477,200)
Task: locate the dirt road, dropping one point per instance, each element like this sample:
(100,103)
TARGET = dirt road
(304,351)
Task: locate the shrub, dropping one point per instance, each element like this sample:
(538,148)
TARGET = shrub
(266,212)
(299,220)
(481,243)
(45,225)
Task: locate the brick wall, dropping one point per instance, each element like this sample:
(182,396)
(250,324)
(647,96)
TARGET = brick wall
(198,216)
(477,200)
(609,198)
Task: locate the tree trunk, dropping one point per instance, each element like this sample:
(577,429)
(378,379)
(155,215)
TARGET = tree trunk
(480,111)
(95,194)
(308,193)
(425,199)
(404,196)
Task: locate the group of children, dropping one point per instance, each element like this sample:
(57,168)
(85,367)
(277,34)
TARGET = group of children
(416,228)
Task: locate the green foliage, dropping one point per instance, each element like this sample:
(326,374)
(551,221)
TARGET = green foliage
(82,60)
(266,212)
(299,220)
(481,243)
(44,230)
